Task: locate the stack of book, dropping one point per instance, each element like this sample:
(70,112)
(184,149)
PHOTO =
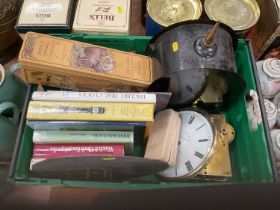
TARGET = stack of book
(70,123)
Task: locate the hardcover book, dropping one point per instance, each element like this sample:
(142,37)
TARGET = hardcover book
(56,59)
(116,97)
(64,150)
(90,111)
(72,137)
(103,17)
(161,99)
(85,125)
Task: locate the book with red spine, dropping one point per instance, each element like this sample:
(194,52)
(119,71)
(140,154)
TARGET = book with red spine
(64,150)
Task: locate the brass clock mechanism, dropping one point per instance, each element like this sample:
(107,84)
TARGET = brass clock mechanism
(203,147)
(219,166)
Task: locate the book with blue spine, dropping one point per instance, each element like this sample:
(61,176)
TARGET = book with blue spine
(84,125)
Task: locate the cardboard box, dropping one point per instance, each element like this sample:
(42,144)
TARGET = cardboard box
(70,64)
(52,16)
(111,17)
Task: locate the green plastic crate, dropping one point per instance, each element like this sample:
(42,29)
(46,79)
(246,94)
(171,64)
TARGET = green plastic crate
(249,152)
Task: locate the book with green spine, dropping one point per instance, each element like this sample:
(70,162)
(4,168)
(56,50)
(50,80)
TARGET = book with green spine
(71,137)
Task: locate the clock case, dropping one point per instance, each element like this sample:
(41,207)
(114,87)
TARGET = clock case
(51,28)
(185,66)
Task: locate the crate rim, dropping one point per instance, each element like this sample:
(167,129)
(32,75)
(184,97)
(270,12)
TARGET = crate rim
(11,174)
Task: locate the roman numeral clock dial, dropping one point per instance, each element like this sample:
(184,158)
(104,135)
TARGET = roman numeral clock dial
(196,145)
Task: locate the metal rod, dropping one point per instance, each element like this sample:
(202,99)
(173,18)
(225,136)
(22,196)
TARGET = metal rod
(209,40)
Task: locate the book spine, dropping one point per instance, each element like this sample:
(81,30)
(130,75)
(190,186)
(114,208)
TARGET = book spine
(64,150)
(48,137)
(91,111)
(94,97)
(84,125)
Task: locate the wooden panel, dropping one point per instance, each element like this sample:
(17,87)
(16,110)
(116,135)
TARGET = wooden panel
(136,27)
(267,27)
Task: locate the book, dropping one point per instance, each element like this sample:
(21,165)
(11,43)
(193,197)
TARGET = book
(64,150)
(72,137)
(90,111)
(103,17)
(58,58)
(161,99)
(85,125)
(117,97)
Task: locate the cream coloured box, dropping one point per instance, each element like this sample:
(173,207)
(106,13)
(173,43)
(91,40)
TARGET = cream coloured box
(103,17)
(43,12)
(47,16)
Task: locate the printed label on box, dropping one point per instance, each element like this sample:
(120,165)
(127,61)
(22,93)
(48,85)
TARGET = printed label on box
(99,13)
(46,12)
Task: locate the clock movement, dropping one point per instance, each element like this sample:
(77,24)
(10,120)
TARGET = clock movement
(203,150)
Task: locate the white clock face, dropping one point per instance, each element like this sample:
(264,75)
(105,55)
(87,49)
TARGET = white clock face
(195,144)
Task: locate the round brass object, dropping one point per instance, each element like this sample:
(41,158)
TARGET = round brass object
(168,12)
(238,14)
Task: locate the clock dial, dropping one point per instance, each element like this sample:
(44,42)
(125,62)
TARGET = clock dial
(195,145)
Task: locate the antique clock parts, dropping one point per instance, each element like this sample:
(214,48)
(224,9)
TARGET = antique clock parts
(190,58)
(203,150)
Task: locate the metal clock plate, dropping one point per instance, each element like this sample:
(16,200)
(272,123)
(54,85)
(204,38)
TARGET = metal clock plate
(219,167)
